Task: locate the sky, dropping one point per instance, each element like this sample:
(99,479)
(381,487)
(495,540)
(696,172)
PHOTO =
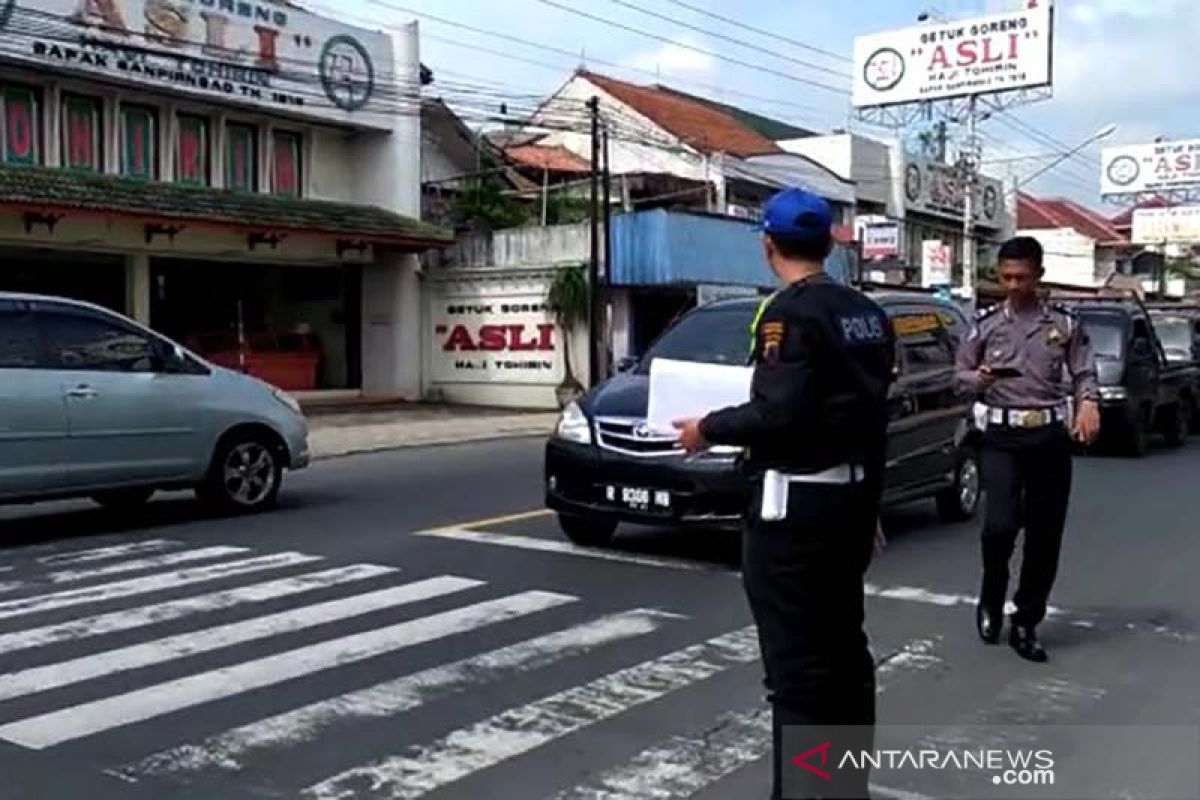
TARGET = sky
(1115,62)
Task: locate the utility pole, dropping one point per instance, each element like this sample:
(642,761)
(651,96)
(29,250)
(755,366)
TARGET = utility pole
(604,278)
(969,166)
(594,263)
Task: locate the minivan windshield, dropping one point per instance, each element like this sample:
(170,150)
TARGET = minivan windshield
(710,336)
(1175,335)
(1106,336)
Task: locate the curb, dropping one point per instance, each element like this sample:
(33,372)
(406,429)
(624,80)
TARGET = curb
(436,441)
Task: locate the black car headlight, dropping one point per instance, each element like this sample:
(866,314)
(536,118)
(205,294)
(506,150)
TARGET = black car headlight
(573,425)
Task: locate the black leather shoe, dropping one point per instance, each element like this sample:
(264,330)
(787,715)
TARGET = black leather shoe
(988,625)
(1025,642)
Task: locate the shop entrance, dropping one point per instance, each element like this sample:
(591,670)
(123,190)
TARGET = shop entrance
(90,277)
(296,327)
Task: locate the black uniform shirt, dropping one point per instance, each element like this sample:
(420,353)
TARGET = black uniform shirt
(823,360)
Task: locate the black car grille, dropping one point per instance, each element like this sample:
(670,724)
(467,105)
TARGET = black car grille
(631,436)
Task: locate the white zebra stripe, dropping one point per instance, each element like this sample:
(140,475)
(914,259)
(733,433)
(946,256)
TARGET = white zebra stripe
(102,553)
(163,612)
(519,730)
(142,565)
(87,719)
(229,750)
(153,583)
(686,764)
(11,586)
(111,662)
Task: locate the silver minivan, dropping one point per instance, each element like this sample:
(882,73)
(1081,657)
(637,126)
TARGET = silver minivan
(93,404)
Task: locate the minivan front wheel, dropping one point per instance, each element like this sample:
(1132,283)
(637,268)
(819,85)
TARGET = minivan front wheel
(245,476)
(960,502)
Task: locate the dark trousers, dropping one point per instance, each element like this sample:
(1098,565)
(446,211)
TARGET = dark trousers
(1027,476)
(804,581)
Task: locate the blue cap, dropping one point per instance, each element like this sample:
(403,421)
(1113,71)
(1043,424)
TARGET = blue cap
(797,214)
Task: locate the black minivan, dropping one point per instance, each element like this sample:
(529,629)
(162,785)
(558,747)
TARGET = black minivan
(604,466)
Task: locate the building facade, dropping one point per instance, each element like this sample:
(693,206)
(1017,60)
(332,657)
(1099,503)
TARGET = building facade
(244,177)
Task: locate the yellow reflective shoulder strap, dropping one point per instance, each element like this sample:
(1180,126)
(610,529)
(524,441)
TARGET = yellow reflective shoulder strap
(758,315)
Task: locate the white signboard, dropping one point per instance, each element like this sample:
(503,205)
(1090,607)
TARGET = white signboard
(511,339)
(984,55)
(270,56)
(1179,225)
(1150,167)
(931,187)
(936,263)
(881,241)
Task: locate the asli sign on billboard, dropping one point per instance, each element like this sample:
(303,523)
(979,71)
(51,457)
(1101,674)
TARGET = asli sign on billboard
(1179,225)
(1163,166)
(985,55)
(496,340)
(261,54)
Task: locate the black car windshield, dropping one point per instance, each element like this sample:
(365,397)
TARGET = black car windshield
(1106,336)
(711,336)
(1175,334)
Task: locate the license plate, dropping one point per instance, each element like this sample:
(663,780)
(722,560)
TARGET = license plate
(639,499)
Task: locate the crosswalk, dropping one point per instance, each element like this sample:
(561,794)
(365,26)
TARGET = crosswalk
(139,635)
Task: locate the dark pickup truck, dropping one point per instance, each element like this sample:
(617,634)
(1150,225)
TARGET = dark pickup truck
(1143,390)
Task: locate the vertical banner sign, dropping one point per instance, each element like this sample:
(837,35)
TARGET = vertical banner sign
(191,154)
(20,137)
(983,55)
(287,164)
(241,162)
(138,151)
(936,269)
(82,133)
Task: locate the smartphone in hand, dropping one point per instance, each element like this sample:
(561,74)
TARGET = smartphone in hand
(1005,372)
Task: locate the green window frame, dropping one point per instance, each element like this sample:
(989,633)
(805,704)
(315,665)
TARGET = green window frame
(193,151)
(139,142)
(82,140)
(241,157)
(287,170)
(20,126)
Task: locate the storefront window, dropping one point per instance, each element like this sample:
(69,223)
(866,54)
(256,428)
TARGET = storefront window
(138,140)
(191,151)
(287,173)
(81,126)
(20,135)
(241,157)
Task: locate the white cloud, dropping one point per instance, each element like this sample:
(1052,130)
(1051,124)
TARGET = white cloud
(677,58)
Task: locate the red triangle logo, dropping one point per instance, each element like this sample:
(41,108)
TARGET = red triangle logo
(802,760)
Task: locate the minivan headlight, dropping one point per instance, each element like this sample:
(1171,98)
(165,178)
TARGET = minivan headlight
(573,425)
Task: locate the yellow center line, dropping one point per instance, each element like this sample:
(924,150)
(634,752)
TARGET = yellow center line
(493,521)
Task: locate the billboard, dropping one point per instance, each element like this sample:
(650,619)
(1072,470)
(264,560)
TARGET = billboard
(934,188)
(936,263)
(1159,167)
(1179,225)
(262,54)
(936,61)
(880,241)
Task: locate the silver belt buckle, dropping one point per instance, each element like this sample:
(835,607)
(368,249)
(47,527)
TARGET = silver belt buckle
(1034,419)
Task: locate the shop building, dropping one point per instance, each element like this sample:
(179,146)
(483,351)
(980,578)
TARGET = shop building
(243,177)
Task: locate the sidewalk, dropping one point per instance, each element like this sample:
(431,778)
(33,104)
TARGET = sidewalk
(341,433)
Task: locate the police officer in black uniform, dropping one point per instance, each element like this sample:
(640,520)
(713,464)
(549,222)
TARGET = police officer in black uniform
(814,433)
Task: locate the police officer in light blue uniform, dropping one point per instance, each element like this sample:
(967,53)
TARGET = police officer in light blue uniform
(814,434)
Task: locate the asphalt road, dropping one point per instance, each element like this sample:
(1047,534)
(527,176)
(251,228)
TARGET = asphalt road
(386,634)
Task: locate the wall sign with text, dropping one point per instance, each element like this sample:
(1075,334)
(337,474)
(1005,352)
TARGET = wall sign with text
(261,54)
(511,339)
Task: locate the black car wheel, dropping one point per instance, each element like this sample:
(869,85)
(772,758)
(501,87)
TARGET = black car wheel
(1137,436)
(960,502)
(1177,426)
(245,476)
(124,499)
(588,531)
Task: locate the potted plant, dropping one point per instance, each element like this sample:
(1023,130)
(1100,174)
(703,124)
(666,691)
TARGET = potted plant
(568,298)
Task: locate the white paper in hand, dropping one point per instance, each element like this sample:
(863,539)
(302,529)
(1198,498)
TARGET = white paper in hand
(688,390)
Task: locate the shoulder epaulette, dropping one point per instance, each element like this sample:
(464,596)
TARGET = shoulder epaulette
(984,313)
(1064,309)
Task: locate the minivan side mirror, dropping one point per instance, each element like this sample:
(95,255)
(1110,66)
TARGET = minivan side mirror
(169,357)
(627,363)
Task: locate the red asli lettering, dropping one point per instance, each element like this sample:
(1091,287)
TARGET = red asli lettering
(1014,43)
(517,341)
(545,337)
(988,56)
(940,59)
(967,54)
(492,338)
(460,339)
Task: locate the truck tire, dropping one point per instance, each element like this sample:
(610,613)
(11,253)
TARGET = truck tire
(960,502)
(588,531)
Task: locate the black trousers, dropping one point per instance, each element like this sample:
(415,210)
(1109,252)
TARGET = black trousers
(803,578)
(1027,476)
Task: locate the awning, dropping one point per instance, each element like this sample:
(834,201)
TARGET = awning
(61,190)
(788,169)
